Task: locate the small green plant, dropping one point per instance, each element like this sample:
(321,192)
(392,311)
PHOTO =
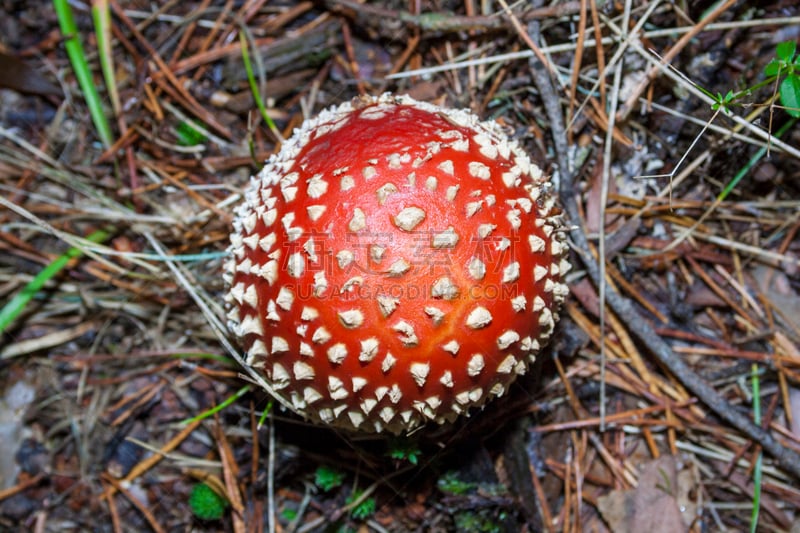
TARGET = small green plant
(478,521)
(327,478)
(205,503)
(289,514)
(189,135)
(783,71)
(787,64)
(723,102)
(450,483)
(404,449)
(363,510)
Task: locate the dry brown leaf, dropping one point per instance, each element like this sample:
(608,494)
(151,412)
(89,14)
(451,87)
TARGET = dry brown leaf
(652,506)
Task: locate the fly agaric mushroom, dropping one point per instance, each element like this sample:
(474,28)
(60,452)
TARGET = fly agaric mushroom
(395,263)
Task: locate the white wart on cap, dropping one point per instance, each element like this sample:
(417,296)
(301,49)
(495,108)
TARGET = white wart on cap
(395,263)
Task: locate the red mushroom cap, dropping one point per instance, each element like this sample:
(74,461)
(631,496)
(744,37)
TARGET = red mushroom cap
(395,263)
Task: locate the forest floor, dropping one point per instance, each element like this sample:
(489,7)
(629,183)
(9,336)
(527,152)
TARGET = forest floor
(673,406)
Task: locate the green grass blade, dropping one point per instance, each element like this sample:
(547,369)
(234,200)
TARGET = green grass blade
(101,15)
(265,414)
(756,389)
(17,304)
(204,356)
(80,65)
(217,408)
(251,78)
